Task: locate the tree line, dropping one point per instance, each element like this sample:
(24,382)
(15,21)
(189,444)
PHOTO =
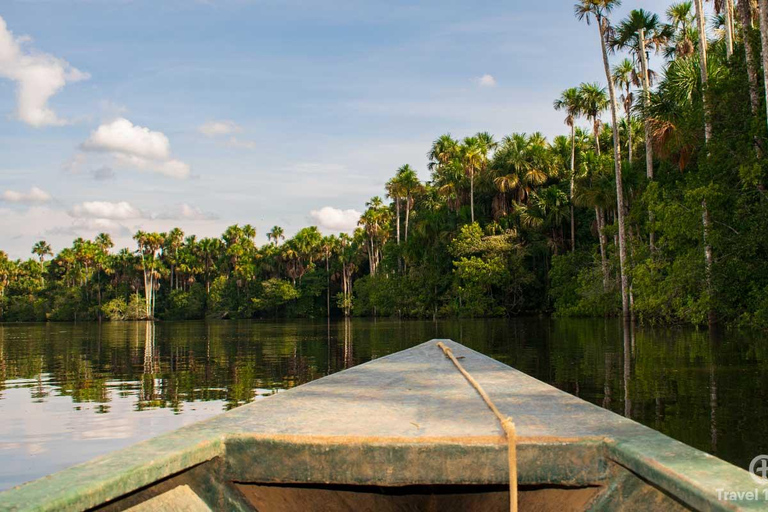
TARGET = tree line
(652,205)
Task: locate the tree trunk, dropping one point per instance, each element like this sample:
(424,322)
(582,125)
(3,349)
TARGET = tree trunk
(646,101)
(595,130)
(763,15)
(397,207)
(617,166)
(728,28)
(648,143)
(472,193)
(701,23)
(628,109)
(708,135)
(573,183)
(745,15)
(408,215)
(705,220)
(603,246)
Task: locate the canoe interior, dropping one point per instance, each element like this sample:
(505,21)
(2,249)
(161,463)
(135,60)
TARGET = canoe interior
(212,486)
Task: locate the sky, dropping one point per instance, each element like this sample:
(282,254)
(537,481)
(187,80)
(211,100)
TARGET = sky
(119,115)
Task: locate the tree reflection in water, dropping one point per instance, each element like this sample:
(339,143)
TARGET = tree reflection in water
(704,388)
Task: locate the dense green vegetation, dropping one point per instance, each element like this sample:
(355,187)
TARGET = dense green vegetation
(661,213)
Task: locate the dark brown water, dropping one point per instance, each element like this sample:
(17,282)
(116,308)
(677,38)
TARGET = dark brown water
(71,392)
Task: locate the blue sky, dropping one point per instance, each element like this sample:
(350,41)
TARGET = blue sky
(156,113)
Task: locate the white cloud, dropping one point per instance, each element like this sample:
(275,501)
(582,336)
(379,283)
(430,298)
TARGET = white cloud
(486,81)
(187,212)
(135,146)
(216,128)
(35,195)
(106,210)
(334,219)
(123,137)
(38,77)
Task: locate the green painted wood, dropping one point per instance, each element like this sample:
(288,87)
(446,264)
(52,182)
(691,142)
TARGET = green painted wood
(375,423)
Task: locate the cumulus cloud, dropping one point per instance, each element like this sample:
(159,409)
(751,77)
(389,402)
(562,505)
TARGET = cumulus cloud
(35,195)
(123,137)
(486,81)
(135,146)
(217,128)
(334,219)
(38,77)
(106,210)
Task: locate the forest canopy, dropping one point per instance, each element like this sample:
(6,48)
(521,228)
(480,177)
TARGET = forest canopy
(652,204)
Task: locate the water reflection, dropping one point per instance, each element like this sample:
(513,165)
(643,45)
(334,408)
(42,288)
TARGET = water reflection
(69,392)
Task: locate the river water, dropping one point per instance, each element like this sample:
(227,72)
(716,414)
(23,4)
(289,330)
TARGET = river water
(70,392)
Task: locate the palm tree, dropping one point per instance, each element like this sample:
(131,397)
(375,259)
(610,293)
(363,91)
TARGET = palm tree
(275,235)
(328,245)
(395,191)
(103,244)
(174,239)
(763,15)
(705,219)
(634,33)
(42,249)
(570,102)
(472,159)
(596,190)
(409,185)
(599,10)
(745,17)
(444,149)
(681,18)
(593,103)
(210,249)
(149,245)
(625,76)
(521,164)
(724,19)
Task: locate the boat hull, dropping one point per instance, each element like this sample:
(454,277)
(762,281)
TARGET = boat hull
(403,432)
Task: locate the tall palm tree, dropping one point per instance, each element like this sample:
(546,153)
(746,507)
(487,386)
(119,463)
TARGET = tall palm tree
(444,149)
(410,184)
(149,245)
(103,244)
(570,102)
(595,190)
(681,19)
(42,249)
(275,235)
(395,191)
(174,239)
(593,101)
(626,77)
(745,18)
(634,33)
(210,249)
(472,160)
(600,10)
(329,245)
(763,16)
